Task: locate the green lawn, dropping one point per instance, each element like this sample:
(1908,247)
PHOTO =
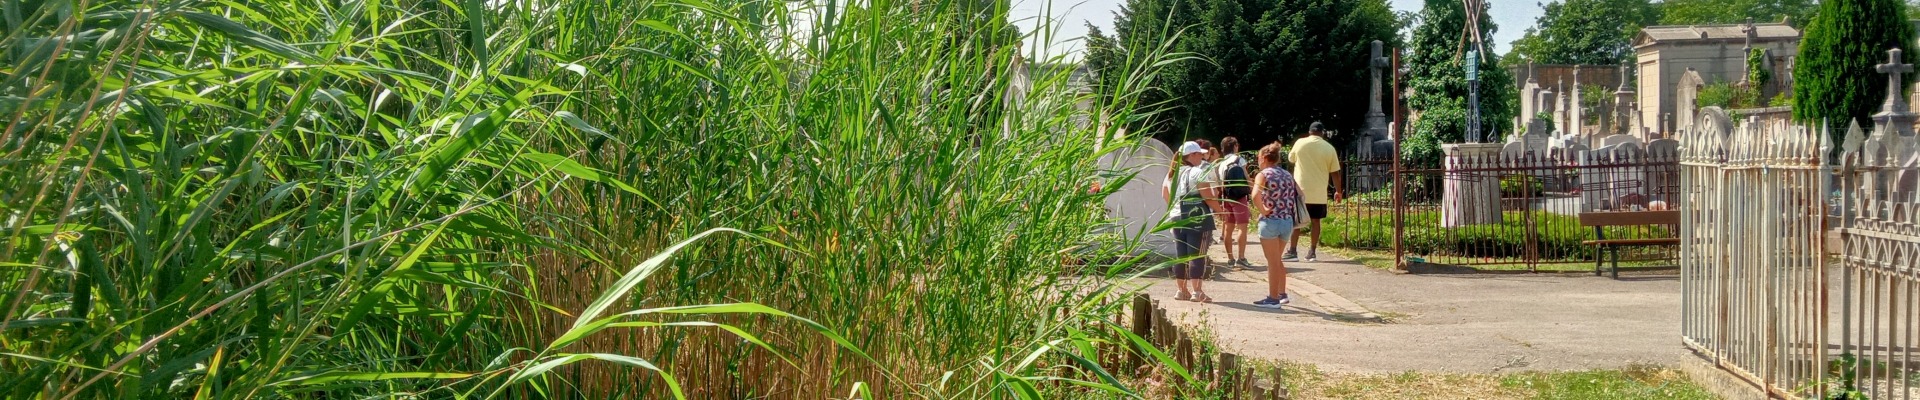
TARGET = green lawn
(1630,383)
(1634,382)
(1383,259)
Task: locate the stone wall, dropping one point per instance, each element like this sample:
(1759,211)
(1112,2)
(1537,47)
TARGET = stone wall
(1607,76)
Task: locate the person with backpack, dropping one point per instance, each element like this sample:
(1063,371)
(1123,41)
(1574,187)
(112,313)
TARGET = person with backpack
(1191,191)
(1234,190)
(1214,209)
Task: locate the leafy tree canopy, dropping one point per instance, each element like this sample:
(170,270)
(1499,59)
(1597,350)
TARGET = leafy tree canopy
(1266,68)
(1698,12)
(1584,32)
(1437,76)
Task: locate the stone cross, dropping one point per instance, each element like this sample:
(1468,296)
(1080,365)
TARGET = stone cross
(1894,112)
(1893,68)
(1376,63)
(1377,129)
(1752,32)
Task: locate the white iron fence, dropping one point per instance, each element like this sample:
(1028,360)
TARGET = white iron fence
(1752,272)
(1766,294)
(1879,286)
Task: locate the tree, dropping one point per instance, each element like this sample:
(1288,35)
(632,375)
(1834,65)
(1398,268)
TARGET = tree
(1834,77)
(1270,67)
(1584,32)
(1437,75)
(1695,12)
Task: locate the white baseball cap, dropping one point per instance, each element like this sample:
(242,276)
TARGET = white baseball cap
(1190,148)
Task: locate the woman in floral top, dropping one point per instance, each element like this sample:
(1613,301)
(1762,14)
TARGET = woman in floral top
(1276,197)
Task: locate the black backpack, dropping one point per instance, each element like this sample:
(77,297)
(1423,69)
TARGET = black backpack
(1237,187)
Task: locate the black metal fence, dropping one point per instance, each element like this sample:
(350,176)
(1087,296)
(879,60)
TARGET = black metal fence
(1514,211)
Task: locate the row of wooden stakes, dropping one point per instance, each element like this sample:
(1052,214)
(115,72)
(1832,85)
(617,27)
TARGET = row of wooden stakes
(1219,369)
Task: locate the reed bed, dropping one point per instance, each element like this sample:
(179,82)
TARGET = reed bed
(571,199)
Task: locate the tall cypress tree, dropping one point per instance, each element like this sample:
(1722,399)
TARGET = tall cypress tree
(1834,77)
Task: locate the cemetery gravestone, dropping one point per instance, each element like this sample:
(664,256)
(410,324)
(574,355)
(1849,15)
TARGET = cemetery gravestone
(1138,204)
(1469,198)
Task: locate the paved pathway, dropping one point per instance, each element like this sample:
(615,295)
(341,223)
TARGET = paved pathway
(1351,318)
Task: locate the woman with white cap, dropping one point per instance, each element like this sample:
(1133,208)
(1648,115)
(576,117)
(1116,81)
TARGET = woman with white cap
(1191,191)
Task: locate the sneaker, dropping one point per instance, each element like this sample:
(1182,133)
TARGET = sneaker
(1313,255)
(1291,256)
(1244,264)
(1267,303)
(1283,300)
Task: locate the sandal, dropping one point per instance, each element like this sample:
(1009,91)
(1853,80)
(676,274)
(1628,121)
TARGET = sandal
(1203,298)
(1182,296)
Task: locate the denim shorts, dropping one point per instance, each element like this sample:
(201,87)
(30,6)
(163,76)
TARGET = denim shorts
(1271,228)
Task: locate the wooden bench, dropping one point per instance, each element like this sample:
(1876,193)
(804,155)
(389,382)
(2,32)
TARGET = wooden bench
(1602,219)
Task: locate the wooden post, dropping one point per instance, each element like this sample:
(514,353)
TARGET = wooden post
(1229,374)
(1185,347)
(1161,327)
(1142,327)
(1279,387)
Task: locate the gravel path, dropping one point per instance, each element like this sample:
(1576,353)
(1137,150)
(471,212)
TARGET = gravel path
(1350,318)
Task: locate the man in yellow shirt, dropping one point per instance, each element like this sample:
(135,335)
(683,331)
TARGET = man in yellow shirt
(1315,164)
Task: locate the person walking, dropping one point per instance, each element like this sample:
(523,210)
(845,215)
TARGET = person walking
(1275,198)
(1315,164)
(1234,189)
(1190,191)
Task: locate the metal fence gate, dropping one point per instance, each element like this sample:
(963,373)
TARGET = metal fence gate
(1541,196)
(1753,274)
(1797,273)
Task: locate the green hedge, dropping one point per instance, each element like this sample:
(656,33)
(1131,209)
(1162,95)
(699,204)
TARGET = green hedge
(1560,235)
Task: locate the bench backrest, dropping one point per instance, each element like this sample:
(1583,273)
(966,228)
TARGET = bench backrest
(1619,218)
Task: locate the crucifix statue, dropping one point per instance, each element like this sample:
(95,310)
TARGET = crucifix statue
(1376,62)
(1377,130)
(1752,32)
(1893,68)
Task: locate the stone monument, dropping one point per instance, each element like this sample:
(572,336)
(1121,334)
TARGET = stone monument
(1685,106)
(1622,104)
(1574,118)
(1892,143)
(1529,101)
(1469,198)
(1138,206)
(1377,142)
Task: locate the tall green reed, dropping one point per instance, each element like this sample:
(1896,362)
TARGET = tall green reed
(463,198)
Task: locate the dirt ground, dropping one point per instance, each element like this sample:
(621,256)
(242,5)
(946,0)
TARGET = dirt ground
(1350,318)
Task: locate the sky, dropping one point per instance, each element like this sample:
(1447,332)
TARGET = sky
(1069,18)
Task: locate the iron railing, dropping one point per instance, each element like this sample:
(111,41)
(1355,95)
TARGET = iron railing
(1539,200)
(1753,271)
(1879,284)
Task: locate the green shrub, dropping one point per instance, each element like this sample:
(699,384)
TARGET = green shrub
(1560,236)
(1514,185)
(1377,198)
(1728,95)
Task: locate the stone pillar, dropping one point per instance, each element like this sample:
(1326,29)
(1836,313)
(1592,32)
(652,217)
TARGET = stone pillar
(1575,119)
(1470,198)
